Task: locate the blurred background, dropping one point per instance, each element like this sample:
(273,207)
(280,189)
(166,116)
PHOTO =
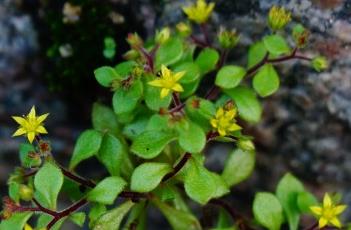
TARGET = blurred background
(49,49)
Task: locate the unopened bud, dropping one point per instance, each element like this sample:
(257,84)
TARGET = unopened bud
(131,55)
(300,35)
(278,18)
(26,193)
(320,63)
(134,40)
(183,29)
(163,35)
(246,145)
(228,39)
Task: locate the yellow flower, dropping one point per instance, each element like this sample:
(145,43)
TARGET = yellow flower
(168,81)
(278,17)
(183,28)
(328,212)
(224,121)
(30,125)
(199,12)
(27,227)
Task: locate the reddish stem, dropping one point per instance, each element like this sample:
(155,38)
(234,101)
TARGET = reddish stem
(178,167)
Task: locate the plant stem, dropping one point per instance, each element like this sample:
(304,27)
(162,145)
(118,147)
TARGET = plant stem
(178,167)
(205,33)
(78,179)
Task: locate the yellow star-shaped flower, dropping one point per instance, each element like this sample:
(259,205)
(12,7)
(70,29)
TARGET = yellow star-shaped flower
(168,81)
(224,121)
(30,125)
(199,12)
(328,212)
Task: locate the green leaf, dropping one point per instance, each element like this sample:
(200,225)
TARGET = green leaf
(189,89)
(276,44)
(229,76)
(268,211)
(305,200)
(104,119)
(14,189)
(152,97)
(150,144)
(112,219)
(88,144)
(178,219)
(200,111)
(136,127)
(107,190)
(27,161)
(256,54)
(105,75)
(287,191)
(44,220)
(78,218)
(266,81)
(207,60)
(192,138)
(192,72)
(169,52)
(125,100)
(95,212)
(16,221)
(111,154)
(147,176)
(238,167)
(158,122)
(48,182)
(125,68)
(220,184)
(248,105)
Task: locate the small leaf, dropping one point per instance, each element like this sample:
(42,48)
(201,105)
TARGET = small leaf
(287,191)
(107,190)
(125,68)
(178,219)
(229,76)
(150,144)
(305,200)
(169,52)
(111,154)
(192,72)
(44,220)
(16,221)
(27,161)
(136,127)
(48,182)
(266,81)
(95,212)
(207,60)
(147,176)
(268,211)
(104,119)
(88,144)
(238,167)
(192,138)
(276,44)
(112,219)
(125,100)
(152,97)
(256,54)
(245,99)
(105,75)
(78,218)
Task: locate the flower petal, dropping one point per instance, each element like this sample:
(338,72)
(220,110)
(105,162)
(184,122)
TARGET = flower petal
(177,88)
(32,113)
(19,132)
(339,209)
(166,73)
(234,127)
(316,210)
(20,120)
(327,202)
(156,83)
(214,123)
(222,132)
(31,136)
(322,222)
(42,118)
(41,129)
(336,222)
(179,75)
(164,92)
(219,113)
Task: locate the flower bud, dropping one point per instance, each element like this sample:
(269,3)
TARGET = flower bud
(131,55)
(228,39)
(163,35)
(246,144)
(183,29)
(134,40)
(26,193)
(278,18)
(320,63)
(300,35)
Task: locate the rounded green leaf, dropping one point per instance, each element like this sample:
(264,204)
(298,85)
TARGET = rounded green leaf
(150,144)
(229,76)
(78,218)
(257,52)
(305,200)
(268,211)
(276,44)
(104,119)
(88,144)
(248,105)
(207,60)
(16,221)
(153,100)
(107,190)
(105,75)
(125,100)
(125,68)
(111,154)
(192,138)
(287,191)
(238,166)
(146,177)
(48,182)
(169,52)
(112,219)
(192,72)
(266,81)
